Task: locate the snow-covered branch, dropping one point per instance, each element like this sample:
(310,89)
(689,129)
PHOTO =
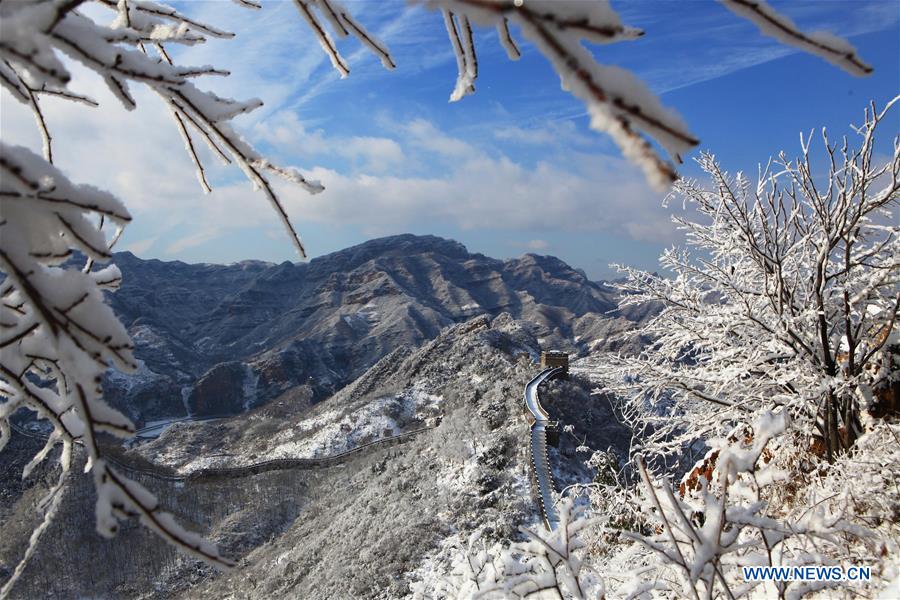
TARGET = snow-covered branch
(722,522)
(545,564)
(835,50)
(59,336)
(618,103)
(343,24)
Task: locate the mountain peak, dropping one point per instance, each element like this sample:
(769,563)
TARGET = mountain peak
(405,244)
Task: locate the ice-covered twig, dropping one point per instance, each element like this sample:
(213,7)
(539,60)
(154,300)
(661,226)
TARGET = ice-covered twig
(509,44)
(324,39)
(835,50)
(348,23)
(464,52)
(343,24)
(59,335)
(617,102)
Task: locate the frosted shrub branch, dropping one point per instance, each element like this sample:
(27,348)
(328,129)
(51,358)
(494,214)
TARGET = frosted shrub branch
(57,336)
(545,564)
(772,361)
(343,24)
(617,102)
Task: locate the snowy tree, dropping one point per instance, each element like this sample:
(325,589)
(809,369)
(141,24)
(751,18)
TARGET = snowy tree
(547,564)
(58,336)
(789,301)
(776,344)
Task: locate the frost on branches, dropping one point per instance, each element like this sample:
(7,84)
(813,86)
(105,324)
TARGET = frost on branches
(546,564)
(618,103)
(789,302)
(776,353)
(57,336)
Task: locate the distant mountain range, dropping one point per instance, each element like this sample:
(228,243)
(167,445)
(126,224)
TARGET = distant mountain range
(221,339)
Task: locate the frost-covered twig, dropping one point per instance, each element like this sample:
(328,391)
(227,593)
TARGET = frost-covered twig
(58,336)
(617,102)
(548,561)
(774,337)
(835,50)
(464,50)
(509,44)
(725,521)
(343,24)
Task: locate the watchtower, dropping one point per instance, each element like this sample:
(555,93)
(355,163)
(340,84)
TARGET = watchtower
(554,358)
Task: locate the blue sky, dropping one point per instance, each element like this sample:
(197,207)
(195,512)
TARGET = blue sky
(512,169)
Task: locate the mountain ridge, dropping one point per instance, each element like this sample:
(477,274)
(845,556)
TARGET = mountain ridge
(221,339)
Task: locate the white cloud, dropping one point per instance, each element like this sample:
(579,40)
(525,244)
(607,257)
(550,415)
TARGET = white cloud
(552,133)
(193,240)
(289,135)
(480,192)
(424,135)
(537,245)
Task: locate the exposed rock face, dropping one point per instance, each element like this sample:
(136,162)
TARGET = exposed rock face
(219,339)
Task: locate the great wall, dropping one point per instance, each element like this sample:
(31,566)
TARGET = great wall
(542,431)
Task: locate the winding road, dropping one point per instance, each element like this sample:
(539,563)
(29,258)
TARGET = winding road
(540,462)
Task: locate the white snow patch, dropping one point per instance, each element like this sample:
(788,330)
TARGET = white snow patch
(250,385)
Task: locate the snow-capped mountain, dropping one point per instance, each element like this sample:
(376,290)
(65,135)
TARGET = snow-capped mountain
(368,527)
(221,339)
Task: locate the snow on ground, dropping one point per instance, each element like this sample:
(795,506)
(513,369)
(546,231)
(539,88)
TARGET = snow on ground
(185,394)
(250,385)
(370,422)
(127,381)
(332,433)
(366,316)
(205,462)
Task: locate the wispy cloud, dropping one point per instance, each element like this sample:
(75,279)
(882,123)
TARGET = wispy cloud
(551,133)
(140,247)
(537,245)
(193,240)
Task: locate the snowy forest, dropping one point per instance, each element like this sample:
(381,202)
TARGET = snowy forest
(733,410)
